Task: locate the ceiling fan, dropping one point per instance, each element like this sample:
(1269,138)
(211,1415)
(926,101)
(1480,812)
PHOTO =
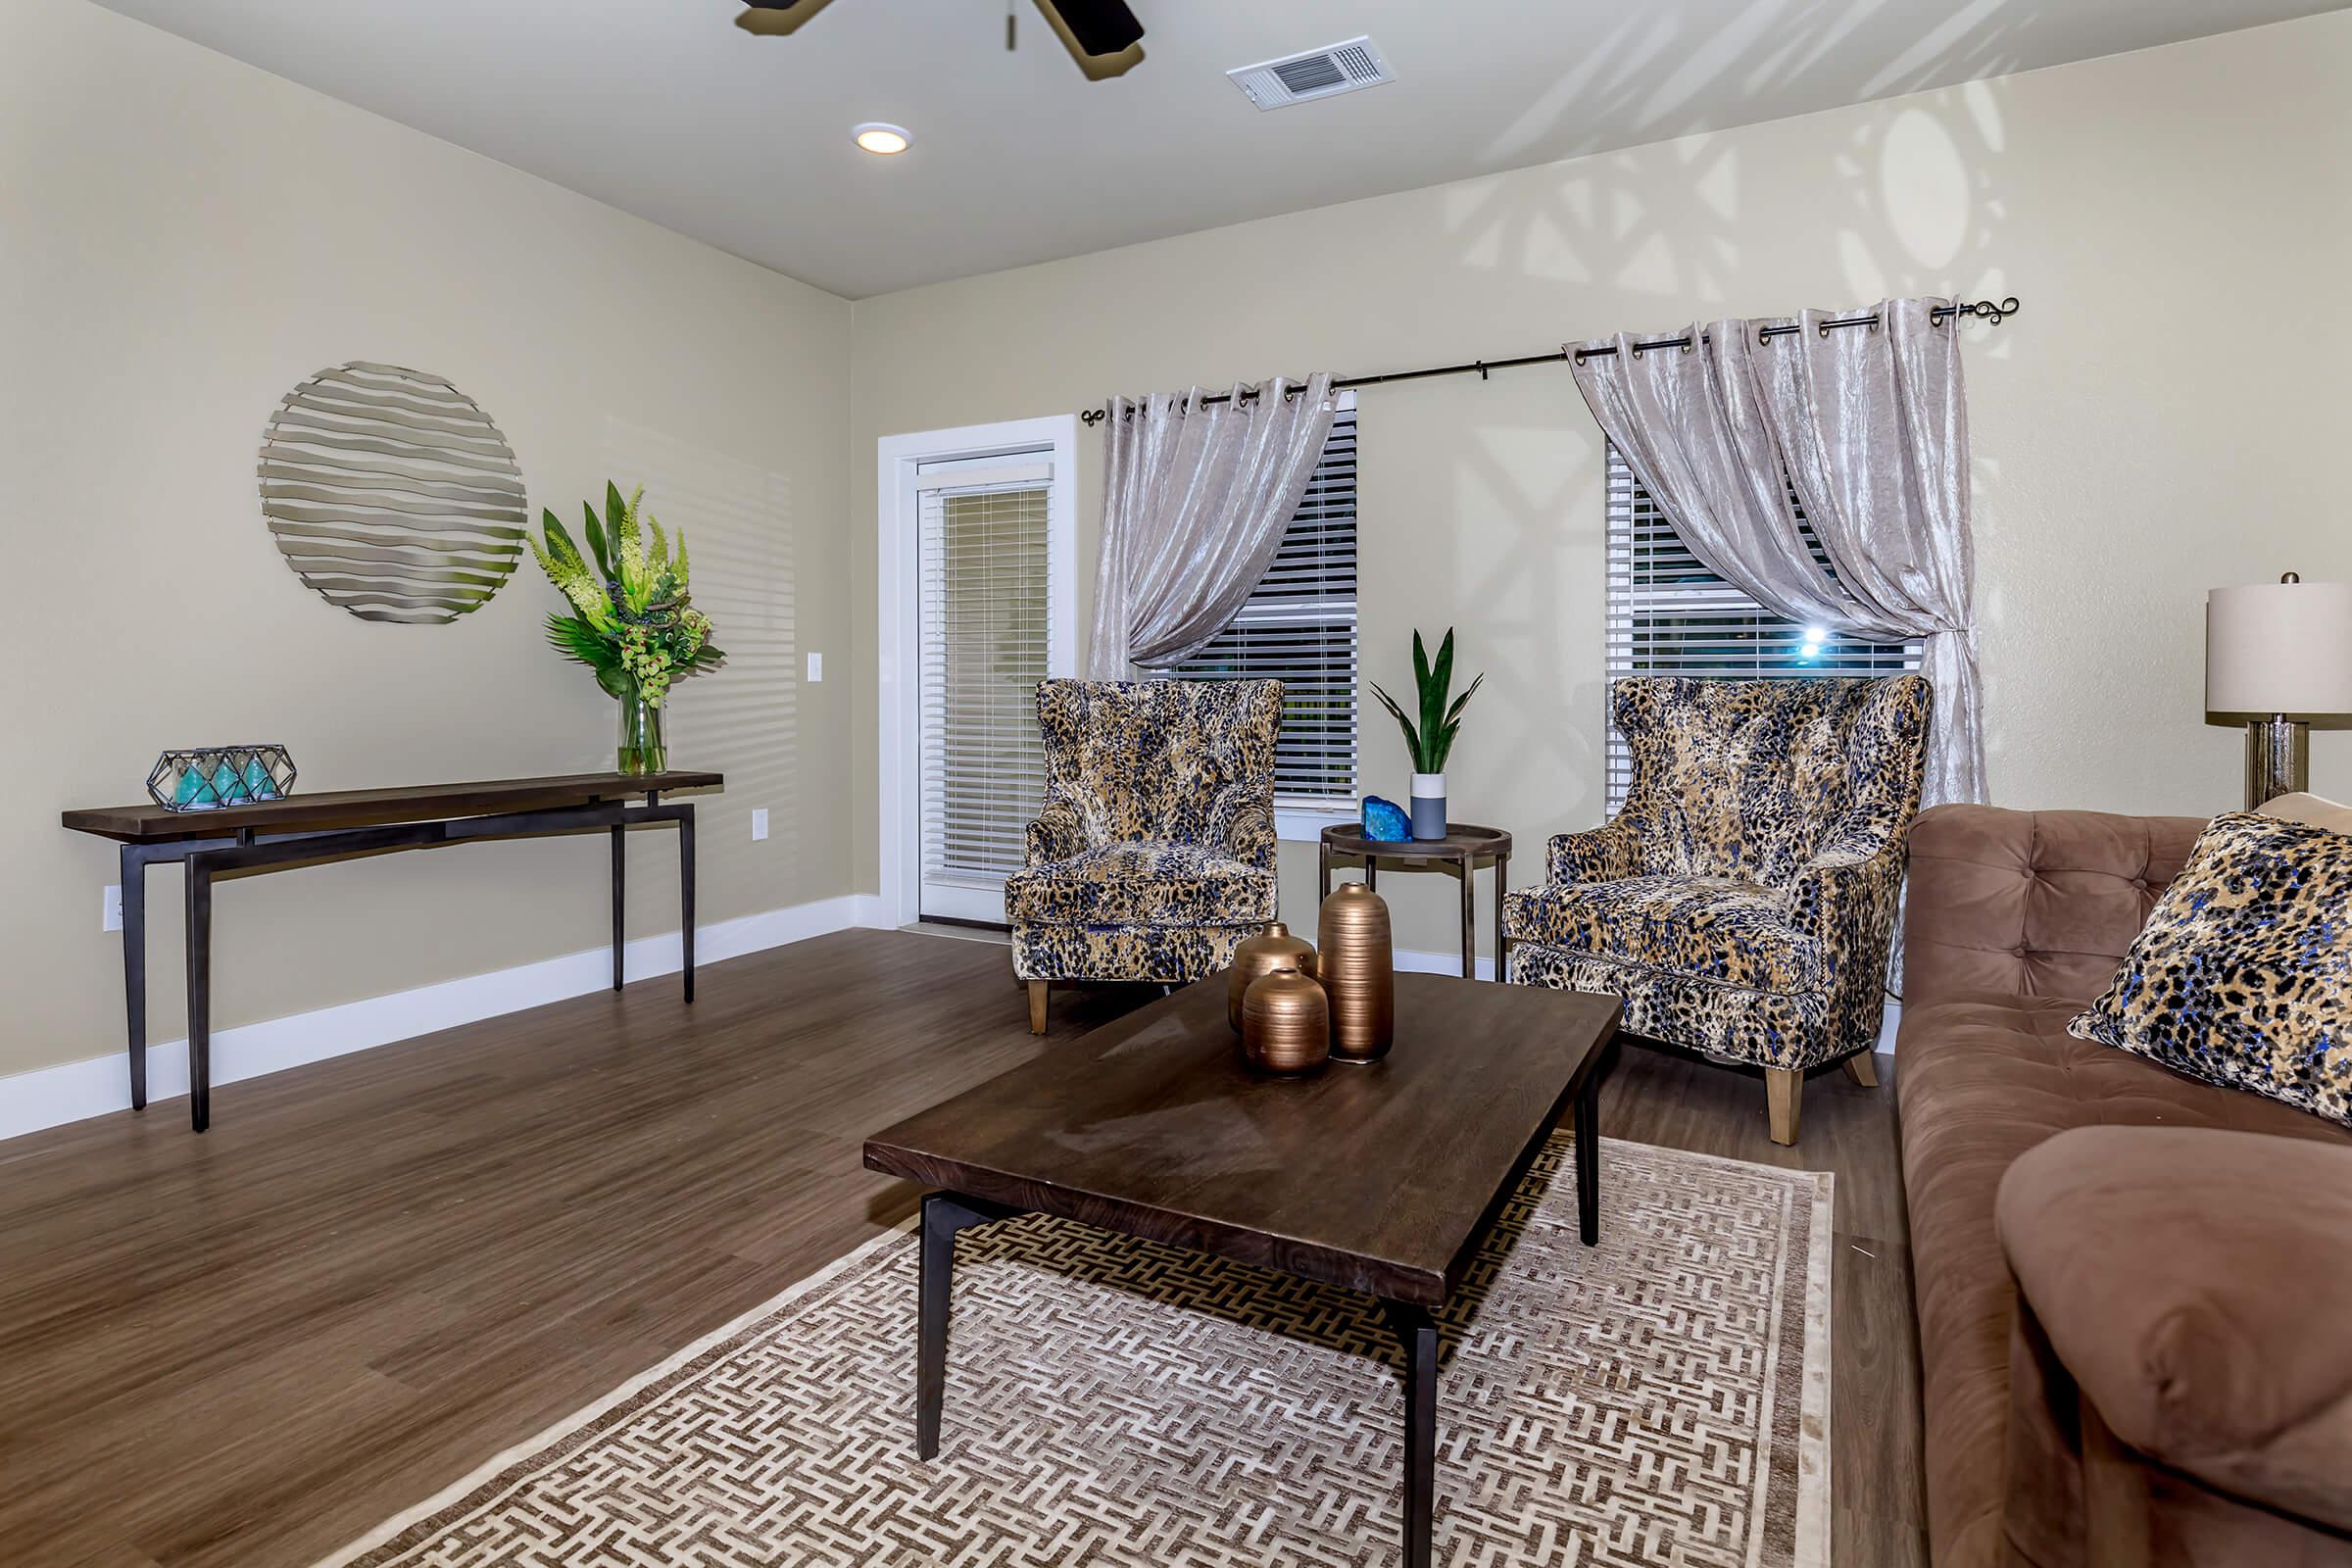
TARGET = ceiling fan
(1103,35)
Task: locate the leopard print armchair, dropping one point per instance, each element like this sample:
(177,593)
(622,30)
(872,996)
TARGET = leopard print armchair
(1742,900)
(1152,855)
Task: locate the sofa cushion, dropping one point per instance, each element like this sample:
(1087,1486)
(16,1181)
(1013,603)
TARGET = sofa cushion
(2222,1352)
(2031,903)
(1144,884)
(2242,976)
(2317,810)
(1724,930)
(1982,1078)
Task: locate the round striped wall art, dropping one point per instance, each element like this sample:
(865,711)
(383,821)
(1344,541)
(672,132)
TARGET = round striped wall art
(391,495)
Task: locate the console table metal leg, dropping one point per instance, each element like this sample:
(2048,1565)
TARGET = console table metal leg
(620,899)
(686,897)
(134,969)
(1418,1332)
(944,1216)
(200,992)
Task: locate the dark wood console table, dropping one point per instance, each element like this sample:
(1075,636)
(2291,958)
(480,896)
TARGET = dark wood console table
(307,829)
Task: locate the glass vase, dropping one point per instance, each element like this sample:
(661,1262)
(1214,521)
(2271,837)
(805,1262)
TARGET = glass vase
(642,748)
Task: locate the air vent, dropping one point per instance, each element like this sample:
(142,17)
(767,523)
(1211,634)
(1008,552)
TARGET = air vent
(1317,74)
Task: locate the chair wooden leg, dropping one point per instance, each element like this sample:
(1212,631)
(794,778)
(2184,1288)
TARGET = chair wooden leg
(1783,1087)
(1863,1068)
(1037,1007)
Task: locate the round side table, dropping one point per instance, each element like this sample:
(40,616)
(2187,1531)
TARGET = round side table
(1466,846)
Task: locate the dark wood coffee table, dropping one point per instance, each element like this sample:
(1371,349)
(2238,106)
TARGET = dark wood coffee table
(1382,1178)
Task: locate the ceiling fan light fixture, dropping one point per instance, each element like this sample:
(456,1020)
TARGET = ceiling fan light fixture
(882,138)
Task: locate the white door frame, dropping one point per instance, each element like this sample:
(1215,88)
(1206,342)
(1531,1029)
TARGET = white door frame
(900,658)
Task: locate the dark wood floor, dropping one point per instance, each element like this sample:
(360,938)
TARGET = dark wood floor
(373,1273)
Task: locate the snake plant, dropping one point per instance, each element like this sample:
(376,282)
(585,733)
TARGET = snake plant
(1430,741)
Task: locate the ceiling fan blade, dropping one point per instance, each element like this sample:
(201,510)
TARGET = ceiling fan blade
(778,19)
(1101,27)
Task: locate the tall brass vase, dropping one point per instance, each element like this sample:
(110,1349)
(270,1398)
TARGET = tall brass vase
(1273,947)
(1358,968)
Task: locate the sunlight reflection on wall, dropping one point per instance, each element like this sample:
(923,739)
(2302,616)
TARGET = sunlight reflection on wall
(741,718)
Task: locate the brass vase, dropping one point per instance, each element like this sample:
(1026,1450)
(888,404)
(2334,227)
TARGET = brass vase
(1357,967)
(1286,1023)
(1271,949)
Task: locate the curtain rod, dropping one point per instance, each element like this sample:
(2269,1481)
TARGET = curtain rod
(1989,310)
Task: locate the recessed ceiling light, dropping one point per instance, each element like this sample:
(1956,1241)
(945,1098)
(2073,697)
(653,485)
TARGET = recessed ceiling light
(877,137)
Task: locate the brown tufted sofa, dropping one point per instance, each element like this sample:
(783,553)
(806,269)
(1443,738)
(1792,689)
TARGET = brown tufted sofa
(2115,1338)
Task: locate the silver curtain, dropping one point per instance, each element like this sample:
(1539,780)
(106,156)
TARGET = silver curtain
(1196,496)
(1870,426)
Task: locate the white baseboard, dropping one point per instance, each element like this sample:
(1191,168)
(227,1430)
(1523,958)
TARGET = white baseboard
(1420,963)
(49,1097)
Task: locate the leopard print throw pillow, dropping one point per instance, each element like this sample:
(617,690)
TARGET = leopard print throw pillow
(2242,976)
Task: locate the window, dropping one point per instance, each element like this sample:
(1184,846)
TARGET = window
(1670,615)
(1298,627)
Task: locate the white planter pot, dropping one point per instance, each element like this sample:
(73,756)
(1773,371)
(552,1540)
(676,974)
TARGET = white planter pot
(1429,806)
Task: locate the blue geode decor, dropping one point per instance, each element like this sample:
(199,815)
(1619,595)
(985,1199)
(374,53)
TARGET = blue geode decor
(205,778)
(1385,821)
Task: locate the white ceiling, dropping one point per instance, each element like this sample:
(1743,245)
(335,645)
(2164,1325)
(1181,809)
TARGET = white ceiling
(669,110)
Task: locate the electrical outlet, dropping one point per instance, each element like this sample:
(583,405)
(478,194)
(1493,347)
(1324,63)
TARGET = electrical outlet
(110,909)
(759,822)
(817,668)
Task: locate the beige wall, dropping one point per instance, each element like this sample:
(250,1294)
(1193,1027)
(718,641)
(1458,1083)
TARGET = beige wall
(2166,415)
(183,240)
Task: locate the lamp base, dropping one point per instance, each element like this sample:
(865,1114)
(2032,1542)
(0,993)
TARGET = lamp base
(2278,759)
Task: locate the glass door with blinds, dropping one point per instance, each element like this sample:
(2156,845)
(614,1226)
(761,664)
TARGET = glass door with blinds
(984,635)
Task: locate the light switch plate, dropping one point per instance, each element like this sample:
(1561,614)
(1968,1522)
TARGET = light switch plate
(817,668)
(759,822)
(110,909)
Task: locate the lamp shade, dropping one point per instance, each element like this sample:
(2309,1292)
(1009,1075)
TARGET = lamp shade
(2276,648)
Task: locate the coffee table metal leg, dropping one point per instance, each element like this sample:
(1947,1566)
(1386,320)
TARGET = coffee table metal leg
(945,1215)
(1418,1332)
(1588,1147)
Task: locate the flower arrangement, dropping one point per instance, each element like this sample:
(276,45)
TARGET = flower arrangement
(634,625)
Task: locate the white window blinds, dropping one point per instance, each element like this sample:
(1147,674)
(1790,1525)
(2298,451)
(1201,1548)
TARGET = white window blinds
(1298,627)
(1670,615)
(983,611)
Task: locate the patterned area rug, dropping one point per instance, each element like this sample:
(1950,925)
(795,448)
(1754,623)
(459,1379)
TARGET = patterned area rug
(1660,1399)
